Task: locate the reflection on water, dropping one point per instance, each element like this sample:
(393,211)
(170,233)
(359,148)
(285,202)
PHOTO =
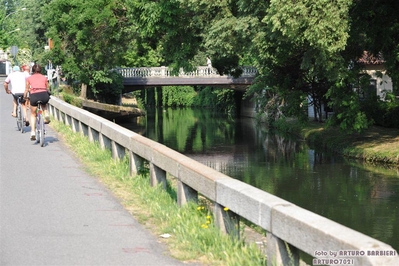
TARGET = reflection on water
(362,197)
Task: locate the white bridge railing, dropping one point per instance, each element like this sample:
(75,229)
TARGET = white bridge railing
(165,72)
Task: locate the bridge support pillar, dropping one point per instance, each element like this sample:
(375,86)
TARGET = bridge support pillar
(157,176)
(159,96)
(227,221)
(120,99)
(279,252)
(185,194)
(150,97)
(238,95)
(248,107)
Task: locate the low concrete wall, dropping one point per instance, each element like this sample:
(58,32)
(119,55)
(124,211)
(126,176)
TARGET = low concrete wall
(289,227)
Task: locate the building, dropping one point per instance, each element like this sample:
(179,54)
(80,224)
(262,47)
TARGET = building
(380,82)
(5,64)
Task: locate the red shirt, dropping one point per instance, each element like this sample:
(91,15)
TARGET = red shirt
(37,82)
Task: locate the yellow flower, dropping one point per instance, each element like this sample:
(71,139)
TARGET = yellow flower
(226,209)
(208,217)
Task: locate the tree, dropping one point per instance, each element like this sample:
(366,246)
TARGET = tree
(304,49)
(10,17)
(299,45)
(374,28)
(90,44)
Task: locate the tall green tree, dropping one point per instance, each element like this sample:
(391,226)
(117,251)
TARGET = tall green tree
(10,19)
(298,51)
(166,27)
(90,38)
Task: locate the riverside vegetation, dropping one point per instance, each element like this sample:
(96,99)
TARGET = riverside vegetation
(376,145)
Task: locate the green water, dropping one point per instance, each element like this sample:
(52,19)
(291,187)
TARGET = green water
(360,196)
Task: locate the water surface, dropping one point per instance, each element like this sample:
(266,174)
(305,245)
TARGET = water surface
(361,196)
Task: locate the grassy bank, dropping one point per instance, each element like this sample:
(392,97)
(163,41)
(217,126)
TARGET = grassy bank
(193,236)
(376,145)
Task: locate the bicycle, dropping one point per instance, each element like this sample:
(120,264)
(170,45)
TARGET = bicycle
(40,129)
(20,113)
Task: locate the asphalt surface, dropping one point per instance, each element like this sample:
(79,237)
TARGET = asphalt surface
(53,213)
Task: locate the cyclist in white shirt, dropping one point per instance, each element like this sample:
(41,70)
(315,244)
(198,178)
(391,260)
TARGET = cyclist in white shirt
(15,84)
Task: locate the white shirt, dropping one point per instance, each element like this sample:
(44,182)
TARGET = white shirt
(17,80)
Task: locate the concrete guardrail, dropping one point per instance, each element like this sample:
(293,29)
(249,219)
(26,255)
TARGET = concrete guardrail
(289,227)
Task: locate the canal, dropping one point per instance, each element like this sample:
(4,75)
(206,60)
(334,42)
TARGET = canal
(360,196)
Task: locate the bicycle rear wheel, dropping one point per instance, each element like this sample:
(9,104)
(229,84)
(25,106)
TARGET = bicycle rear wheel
(41,133)
(22,120)
(37,128)
(19,118)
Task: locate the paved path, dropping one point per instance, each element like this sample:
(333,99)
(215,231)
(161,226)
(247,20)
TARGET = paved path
(53,213)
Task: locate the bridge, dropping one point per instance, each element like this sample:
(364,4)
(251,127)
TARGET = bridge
(147,77)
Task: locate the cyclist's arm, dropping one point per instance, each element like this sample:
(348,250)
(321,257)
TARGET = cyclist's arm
(6,88)
(27,87)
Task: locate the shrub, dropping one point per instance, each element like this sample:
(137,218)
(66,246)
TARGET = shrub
(175,96)
(106,87)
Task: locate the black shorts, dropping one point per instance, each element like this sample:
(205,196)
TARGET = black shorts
(44,97)
(16,95)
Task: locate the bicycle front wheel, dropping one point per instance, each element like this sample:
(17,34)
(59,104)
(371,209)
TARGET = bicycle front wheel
(41,133)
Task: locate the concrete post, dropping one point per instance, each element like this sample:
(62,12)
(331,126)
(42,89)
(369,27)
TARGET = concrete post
(118,151)
(185,194)
(75,125)
(90,134)
(279,252)
(135,163)
(83,91)
(227,221)
(105,143)
(157,176)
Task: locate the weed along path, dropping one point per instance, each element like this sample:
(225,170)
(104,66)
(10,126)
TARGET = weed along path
(52,212)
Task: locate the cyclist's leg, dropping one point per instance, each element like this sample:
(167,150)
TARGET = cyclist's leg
(25,111)
(45,97)
(23,105)
(33,106)
(14,106)
(33,121)
(27,100)
(46,114)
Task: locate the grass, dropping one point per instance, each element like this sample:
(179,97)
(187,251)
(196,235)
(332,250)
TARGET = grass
(194,237)
(376,145)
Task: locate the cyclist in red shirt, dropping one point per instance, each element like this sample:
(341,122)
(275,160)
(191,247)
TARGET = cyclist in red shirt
(37,85)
